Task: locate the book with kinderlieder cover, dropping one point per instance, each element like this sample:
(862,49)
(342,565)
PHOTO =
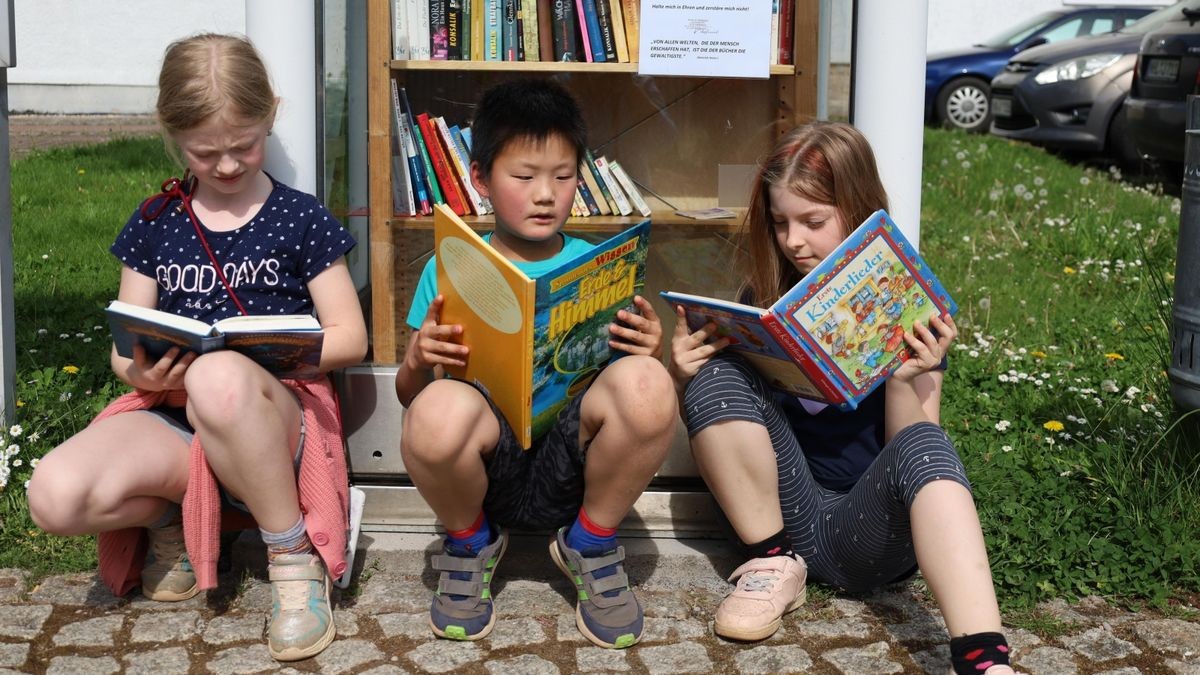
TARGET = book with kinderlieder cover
(839,333)
(535,343)
(286,345)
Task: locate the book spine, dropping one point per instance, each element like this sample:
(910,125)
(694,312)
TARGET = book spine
(545,29)
(492,29)
(579,207)
(530,27)
(618,24)
(441,165)
(589,200)
(454,30)
(418,30)
(438,50)
(787,20)
(400,30)
(595,40)
(774,41)
(603,187)
(421,200)
(630,188)
(402,186)
(435,191)
(614,188)
(521,31)
(566,47)
(478,18)
(508,37)
(460,166)
(591,178)
(604,20)
(584,39)
(457,136)
(631,12)
(814,373)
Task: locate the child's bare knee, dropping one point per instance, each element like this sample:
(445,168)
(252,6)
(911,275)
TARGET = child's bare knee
(55,500)
(218,388)
(439,423)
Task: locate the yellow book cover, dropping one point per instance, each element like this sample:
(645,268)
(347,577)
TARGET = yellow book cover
(618,31)
(630,14)
(478,12)
(535,343)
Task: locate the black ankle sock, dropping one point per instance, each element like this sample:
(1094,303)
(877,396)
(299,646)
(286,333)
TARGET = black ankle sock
(973,654)
(776,544)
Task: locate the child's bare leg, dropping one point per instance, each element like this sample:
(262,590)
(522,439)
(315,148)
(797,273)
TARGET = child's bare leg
(737,462)
(447,429)
(629,415)
(249,425)
(123,471)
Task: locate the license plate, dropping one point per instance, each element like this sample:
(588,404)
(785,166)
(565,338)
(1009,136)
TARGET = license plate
(1162,70)
(1002,107)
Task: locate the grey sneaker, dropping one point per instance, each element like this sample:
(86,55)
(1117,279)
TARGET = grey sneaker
(462,605)
(301,618)
(167,575)
(607,612)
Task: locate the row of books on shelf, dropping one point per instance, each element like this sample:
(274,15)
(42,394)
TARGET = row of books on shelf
(431,165)
(599,31)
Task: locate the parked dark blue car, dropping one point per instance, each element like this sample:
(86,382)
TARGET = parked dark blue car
(957,84)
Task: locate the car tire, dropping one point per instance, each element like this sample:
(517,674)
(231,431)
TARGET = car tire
(965,104)
(1119,145)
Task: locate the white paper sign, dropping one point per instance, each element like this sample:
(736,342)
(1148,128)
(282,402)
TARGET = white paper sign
(705,38)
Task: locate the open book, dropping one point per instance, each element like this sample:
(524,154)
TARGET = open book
(287,346)
(839,332)
(535,343)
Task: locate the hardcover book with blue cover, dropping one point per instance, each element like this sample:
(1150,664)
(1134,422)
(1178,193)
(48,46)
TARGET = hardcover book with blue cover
(839,332)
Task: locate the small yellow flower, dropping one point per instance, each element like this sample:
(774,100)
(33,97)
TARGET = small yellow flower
(1113,356)
(81,172)
(20,403)
(1068,270)
(1038,354)
(70,370)
(1053,425)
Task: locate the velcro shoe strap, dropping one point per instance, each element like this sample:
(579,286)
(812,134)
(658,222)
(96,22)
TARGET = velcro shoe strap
(612,582)
(592,564)
(296,573)
(452,563)
(471,589)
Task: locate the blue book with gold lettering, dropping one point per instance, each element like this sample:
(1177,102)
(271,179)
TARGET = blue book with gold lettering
(839,333)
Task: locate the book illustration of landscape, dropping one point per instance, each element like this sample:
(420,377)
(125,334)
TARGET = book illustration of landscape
(534,343)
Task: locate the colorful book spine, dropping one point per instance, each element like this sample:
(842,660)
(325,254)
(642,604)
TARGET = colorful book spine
(602,186)
(435,192)
(589,200)
(578,207)
(509,35)
(441,165)
(614,188)
(521,30)
(422,202)
(492,30)
(529,29)
(787,20)
(418,30)
(545,29)
(454,30)
(604,20)
(461,166)
(400,30)
(478,14)
(774,43)
(585,41)
(563,26)
(438,43)
(402,183)
(631,11)
(465,28)
(630,188)
(592,179)
(618,23)
(594,39)
(459,137)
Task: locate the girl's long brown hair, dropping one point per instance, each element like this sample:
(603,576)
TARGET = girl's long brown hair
(826,162)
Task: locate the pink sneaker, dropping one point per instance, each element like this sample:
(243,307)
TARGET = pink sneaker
(767,588)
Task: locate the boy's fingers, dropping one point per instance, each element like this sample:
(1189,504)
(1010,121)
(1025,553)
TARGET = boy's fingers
(646,308)
(435,309)
(681,329)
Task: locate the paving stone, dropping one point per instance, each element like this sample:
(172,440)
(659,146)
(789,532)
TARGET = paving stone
(12,584)
(921,628)
(514,633)
(166,626)
(1127,670)
(1059,609)
(345,621)
(444,656)
(525,664)
(254,598)
(82,589)
(388,593)
(665,604)
(346,655)
(663,630)
(567,630)
(1099,644)
(414,626)
(1020,640)
(96,632)
(230,628)
(387,669)
(594,659)
(900,600)
(239,660)
(782,659)
(1048,661)
(870,659)
(13,655)
(82,665)
(685,657)
(934,661)
(139,602)
(23,621)
(1183,667)
(514,602)
(169,660)
(847,607)
(839,628)
(1173,636)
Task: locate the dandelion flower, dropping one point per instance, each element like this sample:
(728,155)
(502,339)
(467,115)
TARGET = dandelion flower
(1053,425)
(1084,180)
(20,403)
(985,303)
(70,370)
(1038,354)
(1114,356)
(1068,270)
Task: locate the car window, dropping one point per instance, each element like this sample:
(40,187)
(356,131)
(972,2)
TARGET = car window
(1154,20)
(1101,24)
(1018,33)
(1064,31)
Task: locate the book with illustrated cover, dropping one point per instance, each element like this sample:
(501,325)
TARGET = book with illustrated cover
(535,343)
(563,21)
(838,333)
(286,345)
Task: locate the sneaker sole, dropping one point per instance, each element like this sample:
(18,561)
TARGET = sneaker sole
(298,654)
(170,596)
(756,634)
(579,623)
(487,629)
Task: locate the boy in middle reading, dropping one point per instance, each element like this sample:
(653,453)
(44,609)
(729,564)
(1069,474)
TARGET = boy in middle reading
(582,476)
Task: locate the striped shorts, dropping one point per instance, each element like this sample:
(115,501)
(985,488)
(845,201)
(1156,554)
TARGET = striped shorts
(856,540)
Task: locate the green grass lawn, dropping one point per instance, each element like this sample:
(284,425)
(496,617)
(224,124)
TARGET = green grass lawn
(1057,394)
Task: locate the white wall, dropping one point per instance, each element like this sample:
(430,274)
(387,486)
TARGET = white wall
(103,56)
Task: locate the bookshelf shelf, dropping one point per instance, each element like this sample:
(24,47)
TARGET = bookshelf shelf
(669,133)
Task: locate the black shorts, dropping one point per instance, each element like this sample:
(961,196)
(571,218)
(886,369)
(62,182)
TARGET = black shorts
(542,487)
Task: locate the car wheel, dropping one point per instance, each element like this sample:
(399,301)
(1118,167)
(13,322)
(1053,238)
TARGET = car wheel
(1119,144)
(965,104)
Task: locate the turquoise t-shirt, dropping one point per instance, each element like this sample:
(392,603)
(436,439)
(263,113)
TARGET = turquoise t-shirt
(427,286)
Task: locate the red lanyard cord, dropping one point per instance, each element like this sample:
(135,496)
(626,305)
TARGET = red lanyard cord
(172,189)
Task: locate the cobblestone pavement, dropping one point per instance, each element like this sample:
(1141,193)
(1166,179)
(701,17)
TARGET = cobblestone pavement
(71,624)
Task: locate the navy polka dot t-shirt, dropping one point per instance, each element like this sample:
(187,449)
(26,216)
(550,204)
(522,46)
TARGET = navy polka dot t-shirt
(268,261)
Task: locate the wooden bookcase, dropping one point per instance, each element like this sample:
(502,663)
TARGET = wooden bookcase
(670,134)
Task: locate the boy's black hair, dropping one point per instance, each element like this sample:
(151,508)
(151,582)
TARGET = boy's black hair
(526,109)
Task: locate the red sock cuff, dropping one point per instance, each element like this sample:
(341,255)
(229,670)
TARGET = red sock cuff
(589,525)
(463,534)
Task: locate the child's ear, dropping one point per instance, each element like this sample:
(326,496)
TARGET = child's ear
(478,180)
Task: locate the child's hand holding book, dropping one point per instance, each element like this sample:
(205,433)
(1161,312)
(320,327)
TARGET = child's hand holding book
(691,350)
(436,343)
(927,346)
(637,332)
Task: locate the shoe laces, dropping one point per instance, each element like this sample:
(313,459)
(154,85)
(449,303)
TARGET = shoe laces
(293,594)
(757,581)
(167,550)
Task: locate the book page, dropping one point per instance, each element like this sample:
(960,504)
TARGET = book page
(480,285)
(705,38)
